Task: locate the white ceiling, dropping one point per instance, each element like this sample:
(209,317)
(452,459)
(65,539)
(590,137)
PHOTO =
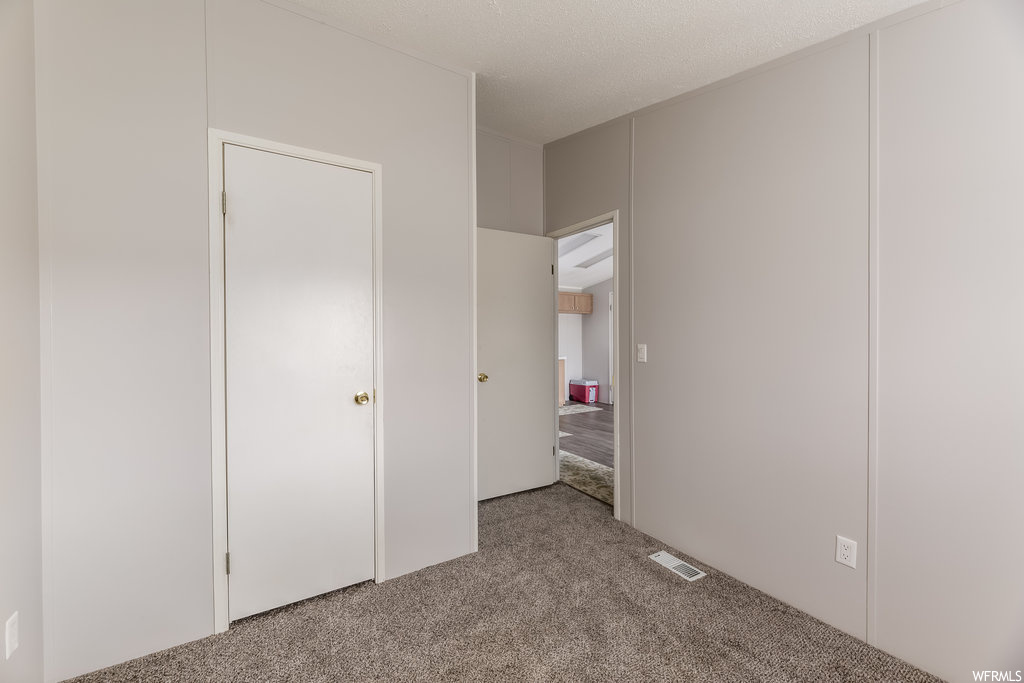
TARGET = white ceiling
(548,68)
(585,259)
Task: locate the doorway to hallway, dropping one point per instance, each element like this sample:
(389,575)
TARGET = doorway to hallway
(586,259)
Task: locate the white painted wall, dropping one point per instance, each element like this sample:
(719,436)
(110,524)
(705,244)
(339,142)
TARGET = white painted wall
(510,184)
(20,550)
(122,115)
(570,346)
(595,339)
(951,339)
(943,287)
(306,92)
(126,411)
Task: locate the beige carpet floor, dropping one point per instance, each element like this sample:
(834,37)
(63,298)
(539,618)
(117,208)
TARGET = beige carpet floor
(559,591)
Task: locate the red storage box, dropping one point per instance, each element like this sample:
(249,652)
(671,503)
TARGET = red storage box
(583,390)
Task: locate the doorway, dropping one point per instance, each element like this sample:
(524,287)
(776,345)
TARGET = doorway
(586,357)
(295,360)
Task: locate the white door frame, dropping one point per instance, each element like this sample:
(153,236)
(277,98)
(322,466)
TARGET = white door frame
(605,218)
(218,389)
(611,345)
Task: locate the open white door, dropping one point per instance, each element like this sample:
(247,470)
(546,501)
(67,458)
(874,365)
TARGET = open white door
(517,402)
(299,314)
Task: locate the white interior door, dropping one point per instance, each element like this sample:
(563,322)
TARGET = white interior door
(516,350)
(298,347)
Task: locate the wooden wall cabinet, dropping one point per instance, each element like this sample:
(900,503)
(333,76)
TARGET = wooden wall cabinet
(574,302)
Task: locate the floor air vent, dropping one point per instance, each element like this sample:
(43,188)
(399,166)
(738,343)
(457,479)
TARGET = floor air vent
(685,570)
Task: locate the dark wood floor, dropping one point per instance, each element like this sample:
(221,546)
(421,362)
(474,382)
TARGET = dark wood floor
(592,434)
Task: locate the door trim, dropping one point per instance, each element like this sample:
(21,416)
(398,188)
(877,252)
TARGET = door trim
(611,345)
(605,218)
(218,389)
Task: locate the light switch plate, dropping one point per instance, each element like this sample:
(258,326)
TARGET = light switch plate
(641,353)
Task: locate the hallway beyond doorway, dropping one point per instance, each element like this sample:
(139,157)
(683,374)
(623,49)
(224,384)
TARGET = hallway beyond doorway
(591,434)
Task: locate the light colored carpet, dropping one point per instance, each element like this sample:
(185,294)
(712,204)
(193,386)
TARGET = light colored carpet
(593,478)
(559,591)
(576,408)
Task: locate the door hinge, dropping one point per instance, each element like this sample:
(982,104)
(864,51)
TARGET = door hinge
(552,269)
(227,563)
(552,451)
(224,203)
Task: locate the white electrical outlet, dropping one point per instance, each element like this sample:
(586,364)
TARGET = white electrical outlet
(641,353)
(846,552)
(11,635)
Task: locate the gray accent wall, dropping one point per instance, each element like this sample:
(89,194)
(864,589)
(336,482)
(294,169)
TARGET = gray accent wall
(20,548)
(827,258)
(750,253)
(126,92)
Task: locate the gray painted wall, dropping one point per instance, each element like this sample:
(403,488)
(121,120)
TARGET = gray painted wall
(595,338)
(828,271)
(122,114)
(510,184)
(951,338)
(587,175)
(750,253)
(20,558)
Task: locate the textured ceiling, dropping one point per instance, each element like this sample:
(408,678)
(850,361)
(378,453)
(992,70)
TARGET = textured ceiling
(549,68)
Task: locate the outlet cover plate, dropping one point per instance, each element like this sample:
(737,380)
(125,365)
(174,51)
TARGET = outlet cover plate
(846,552)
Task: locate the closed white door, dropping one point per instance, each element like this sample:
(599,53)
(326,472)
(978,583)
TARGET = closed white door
(299,344)
(517,405)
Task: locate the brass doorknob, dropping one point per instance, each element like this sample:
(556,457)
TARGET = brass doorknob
(482,377)
(362,398)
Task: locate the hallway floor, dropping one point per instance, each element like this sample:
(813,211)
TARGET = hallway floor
(592,433)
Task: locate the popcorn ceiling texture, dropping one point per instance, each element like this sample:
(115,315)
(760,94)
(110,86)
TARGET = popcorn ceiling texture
(549,68)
